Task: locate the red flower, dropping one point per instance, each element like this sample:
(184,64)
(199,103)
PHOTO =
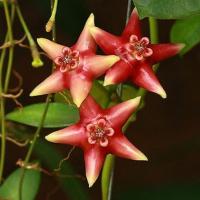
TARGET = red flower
(76,67)
(99,133)
(136,53)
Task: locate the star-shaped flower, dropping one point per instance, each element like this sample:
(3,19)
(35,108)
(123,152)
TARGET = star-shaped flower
(136,53)
(76,67)
(99,133)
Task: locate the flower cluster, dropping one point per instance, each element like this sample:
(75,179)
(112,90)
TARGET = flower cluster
(129,56)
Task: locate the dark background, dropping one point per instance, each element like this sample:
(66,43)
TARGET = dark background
(167,131)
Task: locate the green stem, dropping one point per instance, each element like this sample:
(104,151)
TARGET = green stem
(2,101)
(153,26)
(37,62)
(11,48)
(37,133)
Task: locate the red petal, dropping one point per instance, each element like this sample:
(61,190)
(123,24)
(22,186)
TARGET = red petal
(164,51)
(119,114)
(99,64)
(79,87)
(94,160)
(52,49)
(108,42)
(56,82)
(86,41)
(121,147)
(89,108)
(73,135)
(133,26)
(118,73)
(144,76)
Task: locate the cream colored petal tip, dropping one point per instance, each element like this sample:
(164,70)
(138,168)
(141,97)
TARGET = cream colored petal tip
(141,157)
(135,102)
(94,30)
(51,137)
(41,41)
(112,59)
(91,180)
(162,93)
(90,20)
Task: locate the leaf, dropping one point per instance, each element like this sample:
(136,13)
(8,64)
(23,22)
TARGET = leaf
(129,92)
(167,9)
(58,115)
(100,94)
(74,187)
(186,31)
(10,188)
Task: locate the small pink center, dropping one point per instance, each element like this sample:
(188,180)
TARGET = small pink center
(139,48)
(68,61)
(99,131)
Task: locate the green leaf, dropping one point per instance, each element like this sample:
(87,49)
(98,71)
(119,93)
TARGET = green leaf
(167,9)
(100,94)
(10,188)
(186,31)
(74,188)
(58,115)
(129,92)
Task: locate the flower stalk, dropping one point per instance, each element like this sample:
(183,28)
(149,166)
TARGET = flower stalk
(37,62)
(51,20)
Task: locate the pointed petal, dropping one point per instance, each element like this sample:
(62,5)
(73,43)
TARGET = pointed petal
(99,64)
(80,87)
(119,114)
(86,41)
(56,82)
(118,73)
(121,147)
(72,135)
(105,40)
(164,51)
(52,49)
(133,26)
(94,160)
(143,76)
(89,108)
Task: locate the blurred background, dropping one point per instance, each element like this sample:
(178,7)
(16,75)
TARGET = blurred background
(167,131)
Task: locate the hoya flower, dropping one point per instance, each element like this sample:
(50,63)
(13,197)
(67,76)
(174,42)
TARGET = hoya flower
(137,55)
(76,66)
(99,133)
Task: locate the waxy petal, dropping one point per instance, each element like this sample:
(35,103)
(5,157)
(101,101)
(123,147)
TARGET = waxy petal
(119,114)
(80,87)
(52,49)
(164,51)
(121,147)
(118,73)
(94,159)
(133,26)
(143,76)
(99,64)
(86,41)
(108,42)
(56,82)
(89,108)
(72,135)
